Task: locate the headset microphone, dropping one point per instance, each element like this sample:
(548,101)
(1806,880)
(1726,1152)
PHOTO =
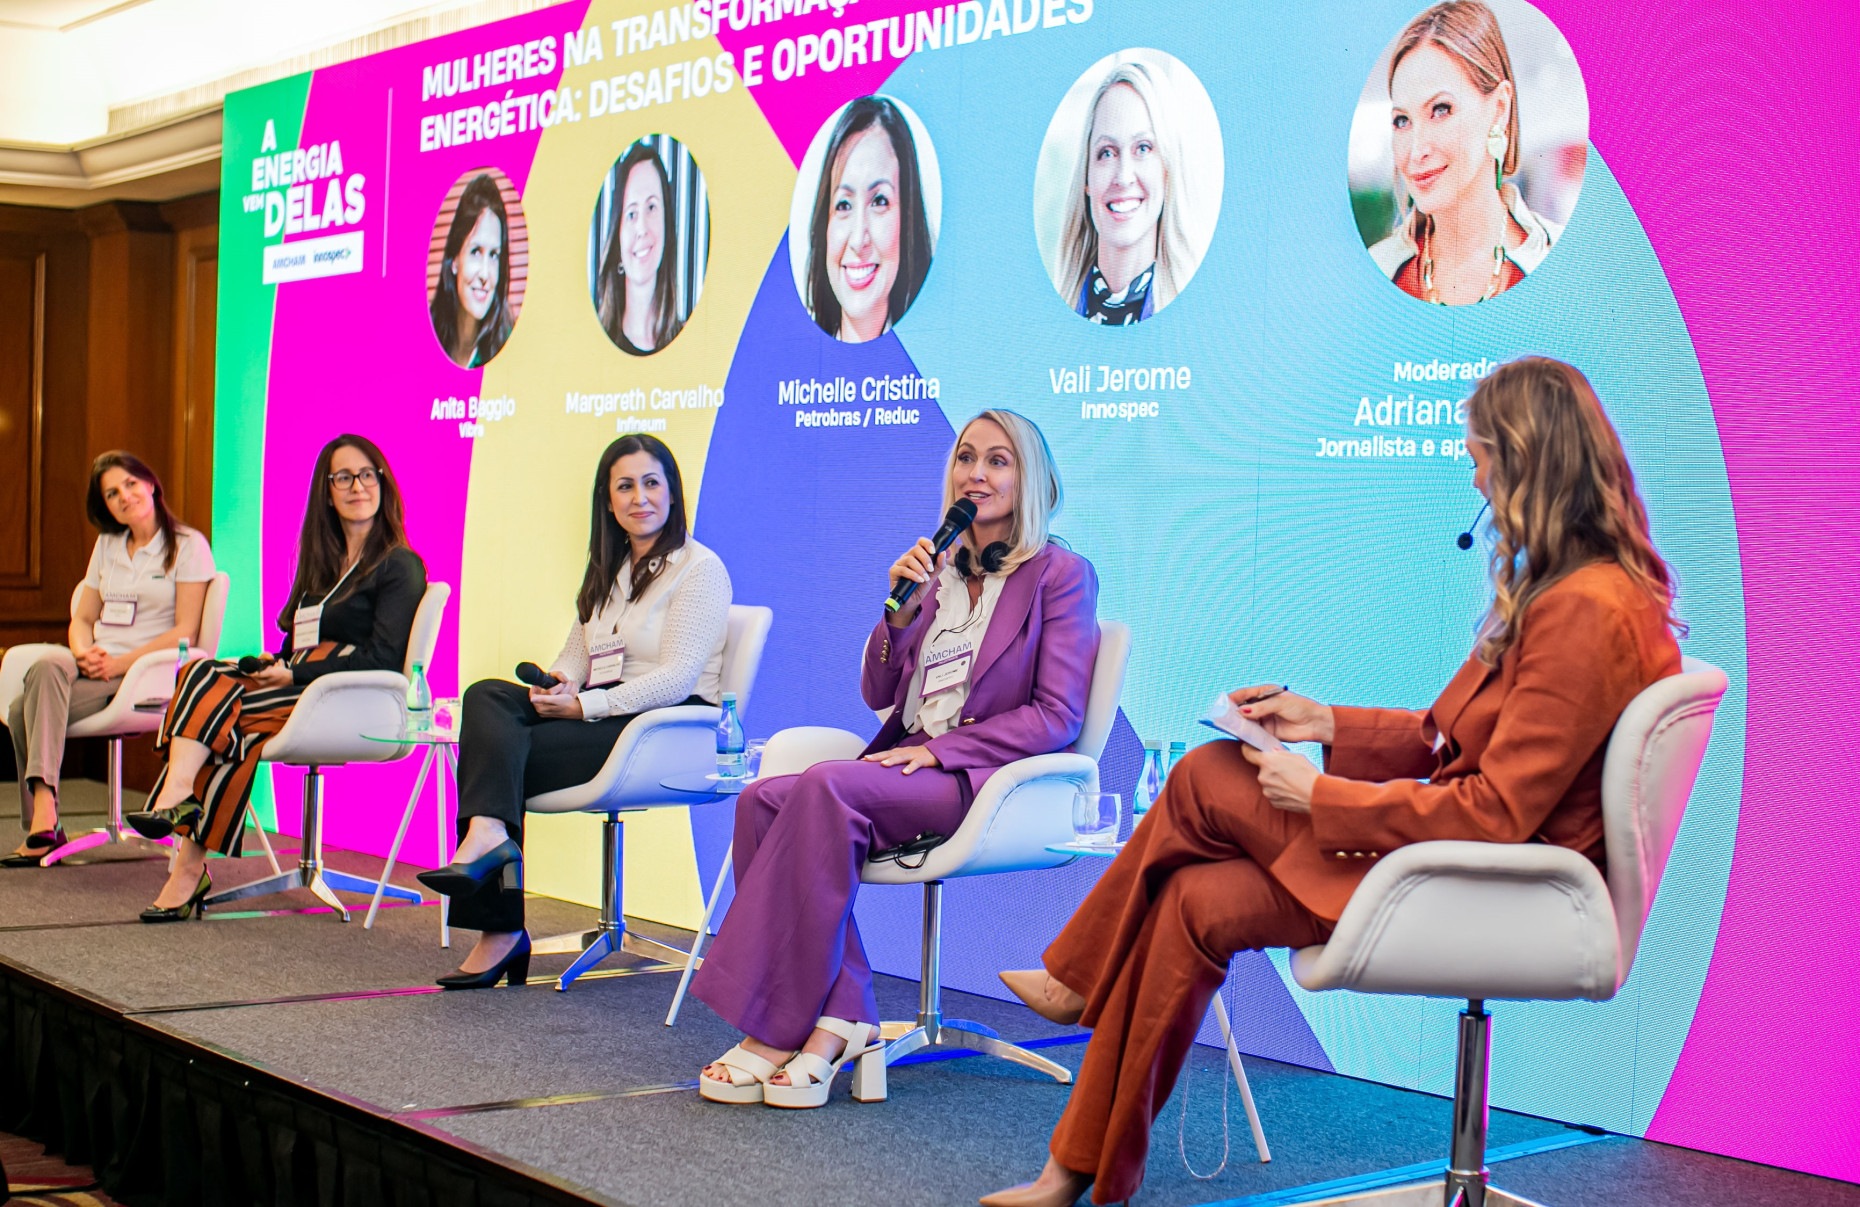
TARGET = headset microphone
(960,515)
(1465,540)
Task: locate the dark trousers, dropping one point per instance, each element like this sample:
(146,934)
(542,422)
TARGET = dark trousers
(509,752)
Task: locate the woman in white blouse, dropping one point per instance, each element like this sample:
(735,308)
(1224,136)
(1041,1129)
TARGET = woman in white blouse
(144,591)
(651,616)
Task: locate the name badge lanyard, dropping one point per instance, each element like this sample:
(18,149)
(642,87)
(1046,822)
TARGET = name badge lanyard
(119,607)
(307,622)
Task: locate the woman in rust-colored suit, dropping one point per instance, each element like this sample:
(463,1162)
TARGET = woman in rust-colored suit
(1246,849)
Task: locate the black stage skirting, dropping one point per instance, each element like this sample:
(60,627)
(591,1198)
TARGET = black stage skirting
(165,1121)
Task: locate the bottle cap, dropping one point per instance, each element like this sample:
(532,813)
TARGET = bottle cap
(1152,745)
(1174,746)
(729,697)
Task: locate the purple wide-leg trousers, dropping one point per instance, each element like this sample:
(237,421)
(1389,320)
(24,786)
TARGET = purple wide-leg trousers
(788,952)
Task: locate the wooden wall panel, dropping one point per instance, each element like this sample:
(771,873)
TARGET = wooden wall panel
(22,414)
(196,302)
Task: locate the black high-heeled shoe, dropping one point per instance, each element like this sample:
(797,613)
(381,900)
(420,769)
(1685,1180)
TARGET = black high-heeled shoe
(159,823)
(515,967)
(194,907)
(38,846)
(461,879)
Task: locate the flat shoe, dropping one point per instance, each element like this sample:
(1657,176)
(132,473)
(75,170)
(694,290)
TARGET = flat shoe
(1029,985)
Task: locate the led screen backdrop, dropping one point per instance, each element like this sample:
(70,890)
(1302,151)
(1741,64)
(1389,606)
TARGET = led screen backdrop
(1201,246)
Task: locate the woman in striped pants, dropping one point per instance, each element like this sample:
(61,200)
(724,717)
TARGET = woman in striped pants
(351,608)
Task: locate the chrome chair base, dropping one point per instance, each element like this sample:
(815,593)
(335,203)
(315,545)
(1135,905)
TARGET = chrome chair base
(310,873)
(932,1030)
(107,836)
(1465,1182)
(610,935)
(903,1039)
(1427,1194)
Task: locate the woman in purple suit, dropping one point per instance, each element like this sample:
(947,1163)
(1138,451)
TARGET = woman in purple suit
(991,664)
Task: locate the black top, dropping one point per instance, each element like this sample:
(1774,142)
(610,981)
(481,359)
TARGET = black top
(375,615)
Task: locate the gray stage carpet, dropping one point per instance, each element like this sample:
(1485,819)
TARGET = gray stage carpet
(592,1088)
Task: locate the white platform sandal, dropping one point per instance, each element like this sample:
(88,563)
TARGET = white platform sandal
(810,1077)
(749,1075)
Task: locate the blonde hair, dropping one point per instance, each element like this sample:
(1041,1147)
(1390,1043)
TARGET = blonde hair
(1562,492)
(1038,495)
(1176,257)
(1468,31)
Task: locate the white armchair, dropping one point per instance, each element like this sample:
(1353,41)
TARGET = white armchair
(1022,809)
(339,719)
(681,739)
(1480,920)
(149,681)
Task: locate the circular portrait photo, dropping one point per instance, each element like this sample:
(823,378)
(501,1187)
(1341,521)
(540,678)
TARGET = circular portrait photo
(476,266)
(863,224)
(1467,150)
(1128,187)
(648,244)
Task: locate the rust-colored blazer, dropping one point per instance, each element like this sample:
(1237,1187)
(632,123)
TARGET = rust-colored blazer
(1511,753)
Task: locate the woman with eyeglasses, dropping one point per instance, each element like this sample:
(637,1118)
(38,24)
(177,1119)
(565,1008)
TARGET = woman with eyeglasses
(351,608)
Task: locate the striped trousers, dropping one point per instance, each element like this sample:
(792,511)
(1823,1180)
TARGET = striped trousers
(233,717)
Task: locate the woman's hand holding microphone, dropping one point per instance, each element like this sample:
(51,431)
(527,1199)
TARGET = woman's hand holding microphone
(919,564)
(1286,778)
(559,702)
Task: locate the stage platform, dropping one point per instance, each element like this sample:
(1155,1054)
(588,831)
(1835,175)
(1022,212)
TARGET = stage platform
(277,1055)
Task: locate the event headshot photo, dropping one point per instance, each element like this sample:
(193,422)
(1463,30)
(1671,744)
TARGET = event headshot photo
(648,244)
(476,266)
(863,220)
(1128,187)
(1467,150)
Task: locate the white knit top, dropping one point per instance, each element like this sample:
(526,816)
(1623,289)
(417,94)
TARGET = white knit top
(673,632)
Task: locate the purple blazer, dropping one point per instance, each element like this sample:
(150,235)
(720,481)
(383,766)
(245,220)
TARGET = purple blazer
(1031,678)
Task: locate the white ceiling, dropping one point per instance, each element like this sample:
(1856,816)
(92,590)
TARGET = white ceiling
(58,14)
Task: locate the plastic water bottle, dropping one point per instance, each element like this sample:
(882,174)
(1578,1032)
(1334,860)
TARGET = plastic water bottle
(731,765)
(419,702)
(1149,779)
(1176,751)
(180,660)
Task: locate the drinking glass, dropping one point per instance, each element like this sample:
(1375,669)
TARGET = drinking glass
(752,757)
(1095,818)
(447,713)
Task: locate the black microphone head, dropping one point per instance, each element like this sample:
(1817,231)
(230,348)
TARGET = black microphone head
(1465,540)
(251,664)
(960,515)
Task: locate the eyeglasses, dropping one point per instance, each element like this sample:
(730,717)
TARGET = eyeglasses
(343,479)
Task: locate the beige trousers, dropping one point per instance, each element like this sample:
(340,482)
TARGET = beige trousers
(54,696)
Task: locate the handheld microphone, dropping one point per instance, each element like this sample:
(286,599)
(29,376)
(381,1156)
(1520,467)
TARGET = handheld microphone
(960,515)
(535,675)
(1465,540)
(251,664)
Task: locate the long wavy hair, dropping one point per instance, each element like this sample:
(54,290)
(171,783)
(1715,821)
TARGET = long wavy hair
(1563,494)
(1468,32)
(612,289)
(480,195)
(914,248)
(99,511)
(608,544)
(1176,258)
(1038,495)
(323,547)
